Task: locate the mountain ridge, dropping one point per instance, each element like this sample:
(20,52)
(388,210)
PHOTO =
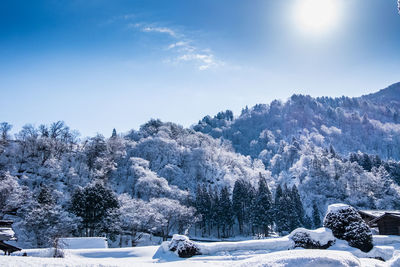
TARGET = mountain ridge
(343,122)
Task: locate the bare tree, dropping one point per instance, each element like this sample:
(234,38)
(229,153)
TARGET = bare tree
(5,127)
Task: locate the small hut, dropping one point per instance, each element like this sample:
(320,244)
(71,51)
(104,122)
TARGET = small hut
(388,223)
(7,234)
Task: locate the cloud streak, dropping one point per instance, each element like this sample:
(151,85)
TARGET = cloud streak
(160,30)
(182,48)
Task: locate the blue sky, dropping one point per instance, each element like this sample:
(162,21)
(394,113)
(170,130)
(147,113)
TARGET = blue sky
(100,65)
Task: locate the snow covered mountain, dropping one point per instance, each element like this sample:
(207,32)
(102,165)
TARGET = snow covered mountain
(219,177)
(388,96)
(368,124)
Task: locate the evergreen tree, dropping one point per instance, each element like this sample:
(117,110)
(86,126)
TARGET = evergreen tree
(199,207)
(366,162)
(203,207)
(215,209)
(45,196)
(286,216)
(262,207)
(316,216)
(114,133)
(93,203)
(207,204)
(279,208)
(226,211)
(332,151)
(308,224)
(292,211)
(242,198)
(298,205)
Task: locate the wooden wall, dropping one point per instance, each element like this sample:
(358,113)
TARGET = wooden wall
(389,226)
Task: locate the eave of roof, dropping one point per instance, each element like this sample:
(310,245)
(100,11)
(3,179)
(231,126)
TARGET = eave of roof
(393,215)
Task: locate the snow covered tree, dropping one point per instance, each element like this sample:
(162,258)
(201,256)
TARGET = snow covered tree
(215,209)
(279,207)
(114,133)
(293,209)
(45,222)
(95,148)
(45,196)
(11,193)
(347,224)
(308,224)
(262,210)
(226,211)
(93,203)
(136,216)
(172,216)
(203,208)
(5,128)
(242,198)
(316,216)
(298,205)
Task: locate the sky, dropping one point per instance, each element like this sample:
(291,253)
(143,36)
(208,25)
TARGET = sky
(99,65)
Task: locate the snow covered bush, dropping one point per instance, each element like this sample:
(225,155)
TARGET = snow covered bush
(347,224)
(321,238)
(183,247)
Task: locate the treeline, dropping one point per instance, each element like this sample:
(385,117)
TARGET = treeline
(95,210)
(164,179)
(251,211)
(368,162)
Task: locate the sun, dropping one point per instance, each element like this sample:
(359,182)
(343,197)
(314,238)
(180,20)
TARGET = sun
(316,16)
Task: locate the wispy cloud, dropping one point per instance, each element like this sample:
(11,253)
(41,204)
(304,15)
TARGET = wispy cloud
(160,30)
(181,44)
(204,61)
(182,49)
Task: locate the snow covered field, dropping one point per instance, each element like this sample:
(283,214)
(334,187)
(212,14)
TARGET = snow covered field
(269,252)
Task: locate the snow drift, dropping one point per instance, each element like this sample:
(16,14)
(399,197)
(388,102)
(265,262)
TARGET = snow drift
(83,242)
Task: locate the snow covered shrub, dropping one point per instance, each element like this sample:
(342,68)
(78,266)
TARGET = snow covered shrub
(259,236)
(183,247)
(347,224)
(321,238)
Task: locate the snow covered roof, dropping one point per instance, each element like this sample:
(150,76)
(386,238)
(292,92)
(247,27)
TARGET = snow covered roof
(378,213)
(6,233)
(391,214)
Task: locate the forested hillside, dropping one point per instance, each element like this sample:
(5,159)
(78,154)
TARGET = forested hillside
(369,123)
(272,169)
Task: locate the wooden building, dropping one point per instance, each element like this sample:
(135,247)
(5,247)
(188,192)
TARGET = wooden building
(7,248)
(388,224)
(385,221)
(7,234)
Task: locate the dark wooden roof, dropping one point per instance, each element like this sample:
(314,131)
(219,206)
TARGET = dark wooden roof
(6,223)
(8,248)
(394,215)
(376,213)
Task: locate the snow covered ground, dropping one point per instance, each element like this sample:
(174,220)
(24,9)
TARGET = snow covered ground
(268,252)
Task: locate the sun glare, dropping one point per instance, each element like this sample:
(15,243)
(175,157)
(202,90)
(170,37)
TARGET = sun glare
(316,16)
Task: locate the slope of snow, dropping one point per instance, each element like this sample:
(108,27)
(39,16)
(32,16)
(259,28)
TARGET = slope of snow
(386,239)
(83,242)
(269,252)
(304,258)
(273,244)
